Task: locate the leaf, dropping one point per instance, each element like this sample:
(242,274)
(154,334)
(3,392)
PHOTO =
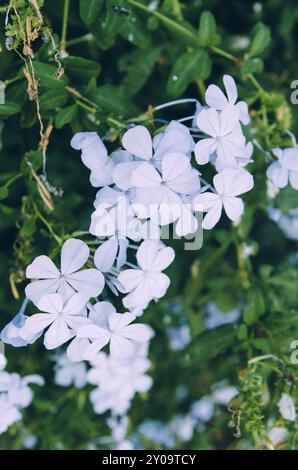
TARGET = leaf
(255,307)
(65,116)
(108,27)
(191,66)
(6,209)
(45,73)
(53,99)
(207,30)
(211,343)
(90,10)
(3,193)
(134,32)
(142,63)
(112,99)
(81,68)
(252,65)
(9,109)
(260,40)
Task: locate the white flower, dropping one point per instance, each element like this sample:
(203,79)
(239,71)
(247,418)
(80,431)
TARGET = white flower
(118,381)
(175,139)
(138,143)
(11,332)
(9,414)
(285,169)
(15,394)
(116,330)
(203,409)
(66,282)
(16,388)
(98,315)
(229,184)
(286,407)
(95,157)
(147,282)
(226,138)
(224,395)
(216,99)
(177,177)
(70,373)
(62,319)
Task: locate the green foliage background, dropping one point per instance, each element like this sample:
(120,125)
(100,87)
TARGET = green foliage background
(120,66)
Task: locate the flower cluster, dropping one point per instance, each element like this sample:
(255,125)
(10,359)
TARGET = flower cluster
(148,184)
(15,395)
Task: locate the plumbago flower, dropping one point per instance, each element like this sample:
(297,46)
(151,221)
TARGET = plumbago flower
(216,99)
(62,318)
(229,184)
(118,382)
(15,395)
(226,145)
(144,186)
(147,281)
(285,169)
(117,331)
(69,279)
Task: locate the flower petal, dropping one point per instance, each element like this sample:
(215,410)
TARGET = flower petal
(51,303)
(105,255)
(215,98)
(138,142)
(231,88)
(213,216)
(145,176)
(35,290)
(57,334)
(234,207)
(117,321)
(146,252)
(208,121)
(74,255)
(89,281)
(42,268)
(203,149)
(36,323)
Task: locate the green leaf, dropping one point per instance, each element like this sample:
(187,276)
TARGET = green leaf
(108,27)
(6,209)
(81,68)
(260,40)
(9,109)
(252,65)
(242,332)
(255,307)
(90,10)
(65,116)
(138,71)
(45,73)
(3,193)
(207,30)
(53,99)
(134,32)
(211,343)
(112,99)
(189,67)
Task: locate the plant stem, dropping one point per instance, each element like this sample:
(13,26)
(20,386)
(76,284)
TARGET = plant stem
(81,39)
(172,24)
(255,83)
(64,26)
(45,222)
(222,53)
